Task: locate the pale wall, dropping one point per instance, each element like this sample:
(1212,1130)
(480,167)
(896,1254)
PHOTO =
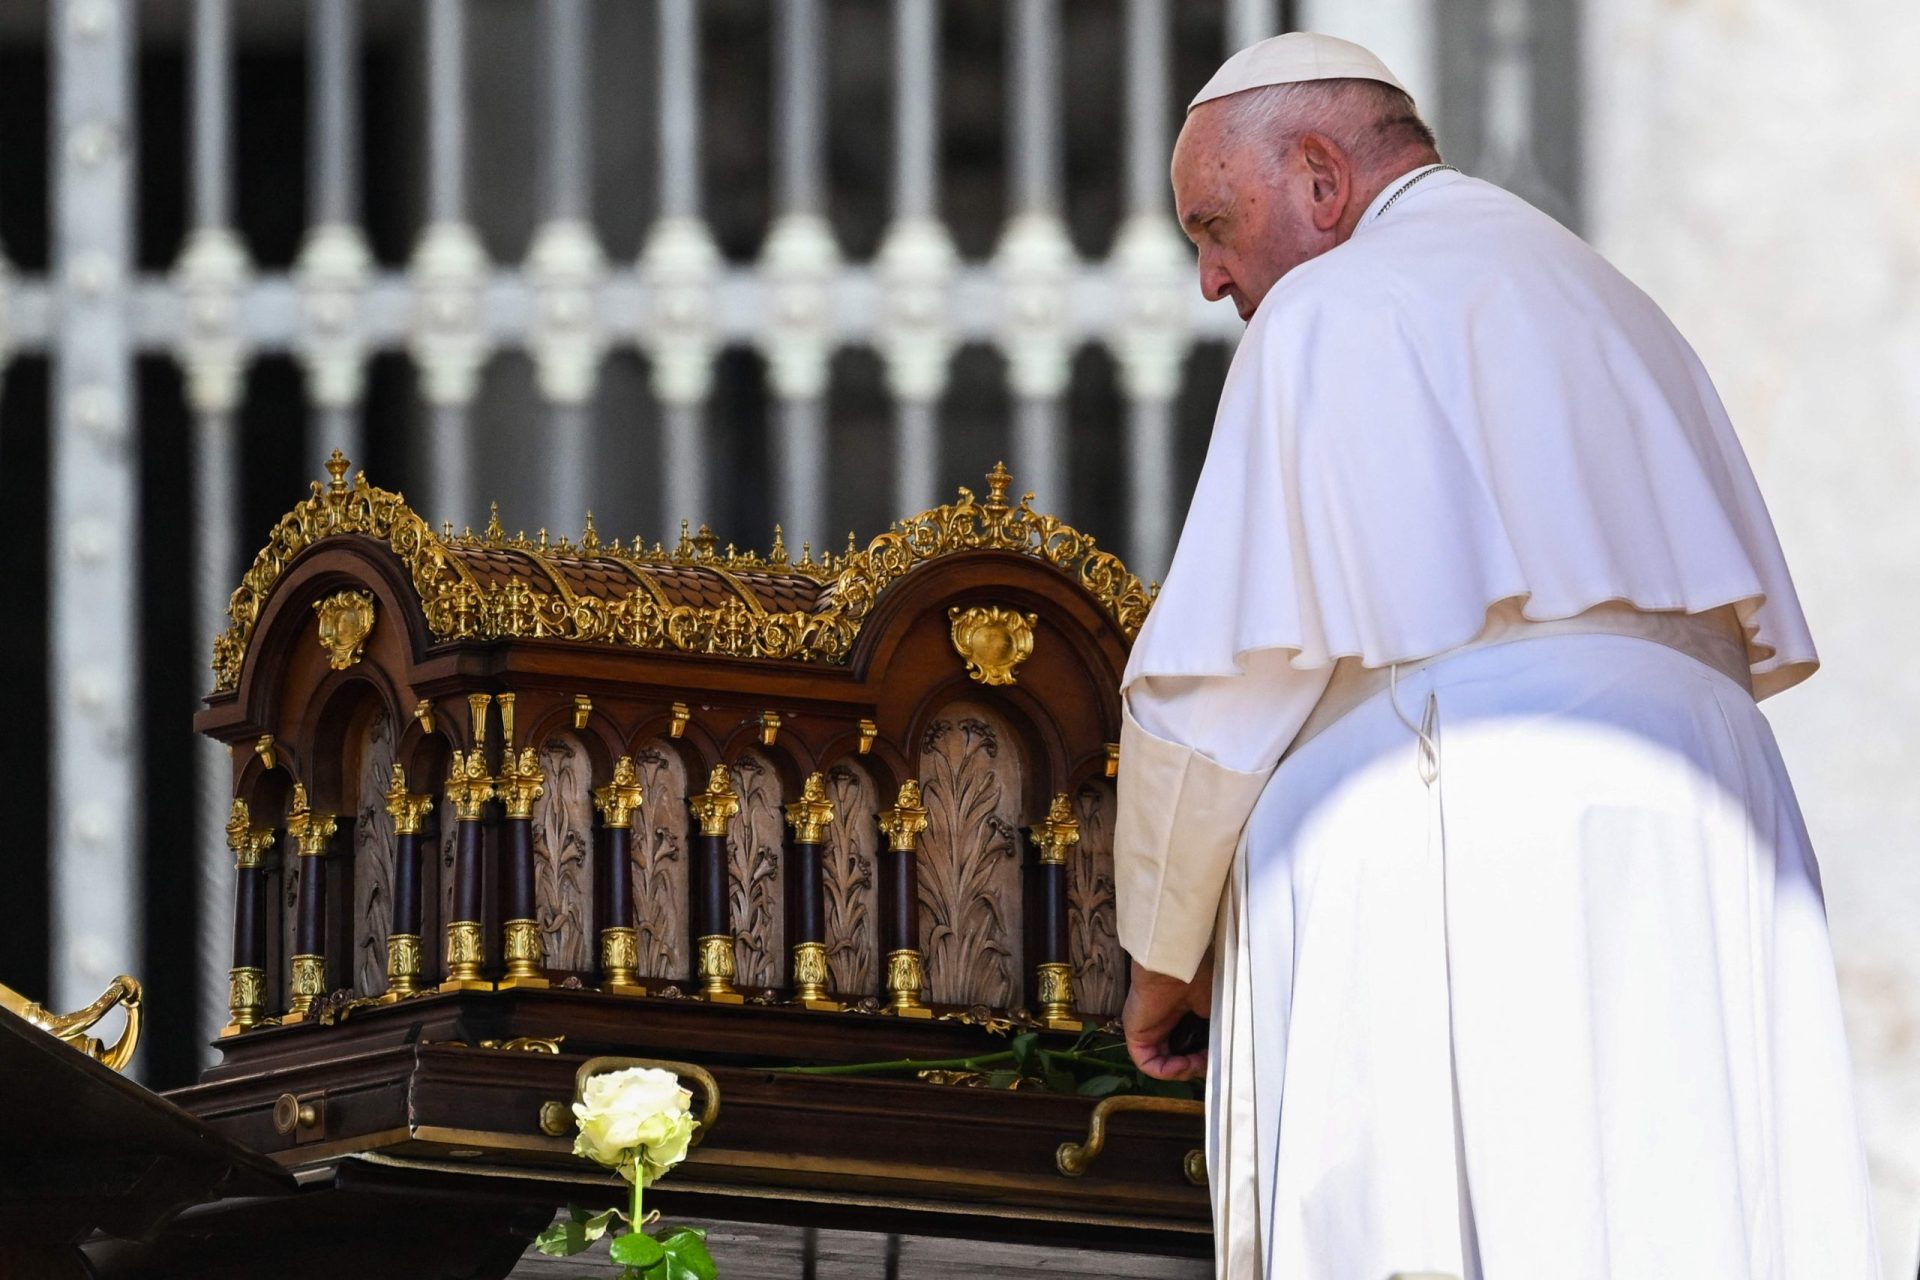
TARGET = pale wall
(1755,166)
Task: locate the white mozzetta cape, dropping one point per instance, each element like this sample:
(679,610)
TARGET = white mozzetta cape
(1462,404)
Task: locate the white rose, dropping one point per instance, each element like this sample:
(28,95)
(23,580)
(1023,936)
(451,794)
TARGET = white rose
(639,1112)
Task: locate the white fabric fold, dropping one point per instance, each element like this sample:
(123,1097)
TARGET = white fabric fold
(1461,405)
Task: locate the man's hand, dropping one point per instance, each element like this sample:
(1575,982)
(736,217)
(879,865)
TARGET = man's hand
(1155,1005)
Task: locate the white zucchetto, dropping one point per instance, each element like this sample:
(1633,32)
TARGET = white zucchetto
(1293,58)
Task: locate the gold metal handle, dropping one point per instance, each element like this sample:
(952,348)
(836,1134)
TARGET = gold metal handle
(555,1117)
(72,1027)
(1072,1158)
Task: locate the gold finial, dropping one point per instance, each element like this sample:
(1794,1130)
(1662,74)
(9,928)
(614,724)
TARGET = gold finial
(778,553)
(590,539)
(704,543)
(1059,833)
(806,552)
(852,544)
(810,815)
(715,808)
(685,550)
(999,480)
(618,799)
(903,823)
(731,553)
(496,533)
(446,531)
(337,466)
(543,537)
(407,809)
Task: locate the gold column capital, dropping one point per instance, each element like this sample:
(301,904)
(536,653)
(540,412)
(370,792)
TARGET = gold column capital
(310,830)
(812,813)
(903,823)
(407,809)
(468,785)
(619,798)
(519,783)
(714,809)
(1058,833)
(248,842)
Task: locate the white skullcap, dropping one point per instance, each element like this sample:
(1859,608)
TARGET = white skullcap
(1293,58)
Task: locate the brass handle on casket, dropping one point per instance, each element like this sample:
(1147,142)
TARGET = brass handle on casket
(556,1117)
(1073,1158)
(72,1027)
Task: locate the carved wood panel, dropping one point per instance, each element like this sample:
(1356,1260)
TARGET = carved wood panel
(659,864)
(1099,962)
(289,904)
(563,853)
(971,775)
(449,842)
(754,842)
(853,842)
(373,853)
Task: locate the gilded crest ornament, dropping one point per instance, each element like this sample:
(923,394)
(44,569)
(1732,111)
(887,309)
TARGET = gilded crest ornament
(993,640)
(346,620)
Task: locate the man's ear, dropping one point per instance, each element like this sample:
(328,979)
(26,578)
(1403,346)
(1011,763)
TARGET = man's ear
(1331,179)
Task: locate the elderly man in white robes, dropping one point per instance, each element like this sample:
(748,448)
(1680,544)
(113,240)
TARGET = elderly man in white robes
(1442,783)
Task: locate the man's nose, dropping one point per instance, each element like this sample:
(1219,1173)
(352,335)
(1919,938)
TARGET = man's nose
(1213,281)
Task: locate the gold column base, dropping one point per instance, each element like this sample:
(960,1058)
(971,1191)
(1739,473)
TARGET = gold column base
(810,979)
(619,958)
(526,957)
(246,999)
(1056,997)
(906,975)
(403,967)
(464,956)
(717,970)
(309,984)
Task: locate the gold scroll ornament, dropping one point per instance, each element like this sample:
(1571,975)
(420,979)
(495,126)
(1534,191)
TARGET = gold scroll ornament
(993,640)
(72,1028)
(346,620)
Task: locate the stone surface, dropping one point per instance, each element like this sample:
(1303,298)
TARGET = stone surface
(1755,166)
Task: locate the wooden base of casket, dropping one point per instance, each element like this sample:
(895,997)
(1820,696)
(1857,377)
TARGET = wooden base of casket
(404,1103)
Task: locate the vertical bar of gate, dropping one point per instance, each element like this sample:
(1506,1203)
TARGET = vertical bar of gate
(1154,270)
(1250,21)
(680,265)
(211,277)
(97,804)
(1035,260)
(566,263)
(917,261)
(449,271)
(800,262)
(335,264)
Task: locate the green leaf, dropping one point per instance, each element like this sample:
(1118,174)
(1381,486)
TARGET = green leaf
(1059,1080)
(561,1240)
(687,1256)
(1101,1086)
(1002,1079)
(637,1250)
(1024,1046)
(596,1226)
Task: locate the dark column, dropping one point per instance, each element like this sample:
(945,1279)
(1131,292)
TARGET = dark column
(311,832)
(613,881)
(247,979)
(518,786)
(408,812)
(469,788)
(714,809)
(809,816)
(1053,973)
(900,879)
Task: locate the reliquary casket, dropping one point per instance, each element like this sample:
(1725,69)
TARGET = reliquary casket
(506,808)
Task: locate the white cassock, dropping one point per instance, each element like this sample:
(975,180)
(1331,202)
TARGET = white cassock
(1443,733)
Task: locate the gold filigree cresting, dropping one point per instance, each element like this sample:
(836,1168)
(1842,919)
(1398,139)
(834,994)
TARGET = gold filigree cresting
(992,640)
(458,606)
(346,620)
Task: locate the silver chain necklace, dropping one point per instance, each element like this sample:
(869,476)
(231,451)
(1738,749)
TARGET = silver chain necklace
(1410,183)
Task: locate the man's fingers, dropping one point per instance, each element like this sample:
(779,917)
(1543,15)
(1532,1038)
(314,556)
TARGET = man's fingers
(1174,1066)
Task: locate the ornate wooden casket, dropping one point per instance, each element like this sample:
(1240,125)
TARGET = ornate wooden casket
(507,805)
